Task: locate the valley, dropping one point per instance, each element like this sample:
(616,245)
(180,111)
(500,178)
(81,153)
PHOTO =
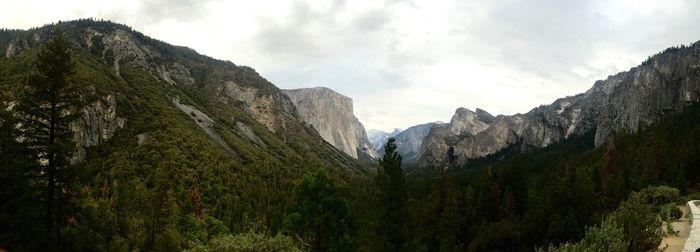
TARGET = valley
(160,148)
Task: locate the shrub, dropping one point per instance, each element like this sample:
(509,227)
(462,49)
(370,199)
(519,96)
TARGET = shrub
(250,241)
(656,195)
(609,236)
(670,212)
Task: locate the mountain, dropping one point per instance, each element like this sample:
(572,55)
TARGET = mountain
(378,138)
(624,102)
(233,105)
(170,143)
(463,124)
(409,141)
(331,114)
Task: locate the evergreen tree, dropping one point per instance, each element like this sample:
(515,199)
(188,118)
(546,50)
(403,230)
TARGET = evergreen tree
(446,207)
(17,192)
(392,183)
(51,101)
(320,215)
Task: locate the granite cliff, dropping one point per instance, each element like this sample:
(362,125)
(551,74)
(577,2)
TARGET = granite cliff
(331,114)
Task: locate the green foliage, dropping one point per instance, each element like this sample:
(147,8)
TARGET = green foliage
(320,215)
(18,192)
(656,195)
(641,226)
(177,189)
(248,242)
(128,195)
(392,183)
(670,212)
(50,102)
(609,236)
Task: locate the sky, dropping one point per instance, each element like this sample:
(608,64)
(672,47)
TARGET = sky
(406,62)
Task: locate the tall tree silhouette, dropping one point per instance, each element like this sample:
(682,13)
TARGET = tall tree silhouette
(50,102)
(392,181)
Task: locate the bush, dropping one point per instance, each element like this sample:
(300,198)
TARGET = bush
(641,226)
(656,195)
(670,212)
(609,236)
(249,241)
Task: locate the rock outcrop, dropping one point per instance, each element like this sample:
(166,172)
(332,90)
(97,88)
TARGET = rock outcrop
(98,124)
(624,102)
(331,114)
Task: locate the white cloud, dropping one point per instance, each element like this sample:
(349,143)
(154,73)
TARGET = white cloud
(406,62)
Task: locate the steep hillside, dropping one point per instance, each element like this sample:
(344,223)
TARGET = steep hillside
(331,114)
(176,145)
(623,102)
(238,101)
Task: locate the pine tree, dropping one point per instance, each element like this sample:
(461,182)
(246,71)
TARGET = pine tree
(51,101)
(446,207)
(392,181)
(17,192)
(320,215)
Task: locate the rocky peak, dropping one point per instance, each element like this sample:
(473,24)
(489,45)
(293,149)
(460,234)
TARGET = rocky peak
(484,116)
(331,114)
(467,122)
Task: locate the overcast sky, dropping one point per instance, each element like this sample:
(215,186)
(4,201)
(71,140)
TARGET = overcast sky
(406,62)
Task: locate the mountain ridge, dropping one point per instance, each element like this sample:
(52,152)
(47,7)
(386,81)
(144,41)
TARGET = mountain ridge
(626,101)
(236,98)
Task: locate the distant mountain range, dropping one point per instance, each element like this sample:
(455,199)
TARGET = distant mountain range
(624,102)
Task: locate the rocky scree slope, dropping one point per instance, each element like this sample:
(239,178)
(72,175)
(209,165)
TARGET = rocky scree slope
(666,82)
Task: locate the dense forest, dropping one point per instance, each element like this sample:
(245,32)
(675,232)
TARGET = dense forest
(182,192)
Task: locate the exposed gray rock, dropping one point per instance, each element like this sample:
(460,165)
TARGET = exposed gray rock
(409,141)
(270,110)
(206,124)
(466,122)
(97,125)
(378,138)
(623,102)
(243,129)
(484,116)
(331,114)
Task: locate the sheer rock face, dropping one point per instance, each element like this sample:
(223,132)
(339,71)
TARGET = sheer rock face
(623,102)
(331,114)
(97,125)
(409,141)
